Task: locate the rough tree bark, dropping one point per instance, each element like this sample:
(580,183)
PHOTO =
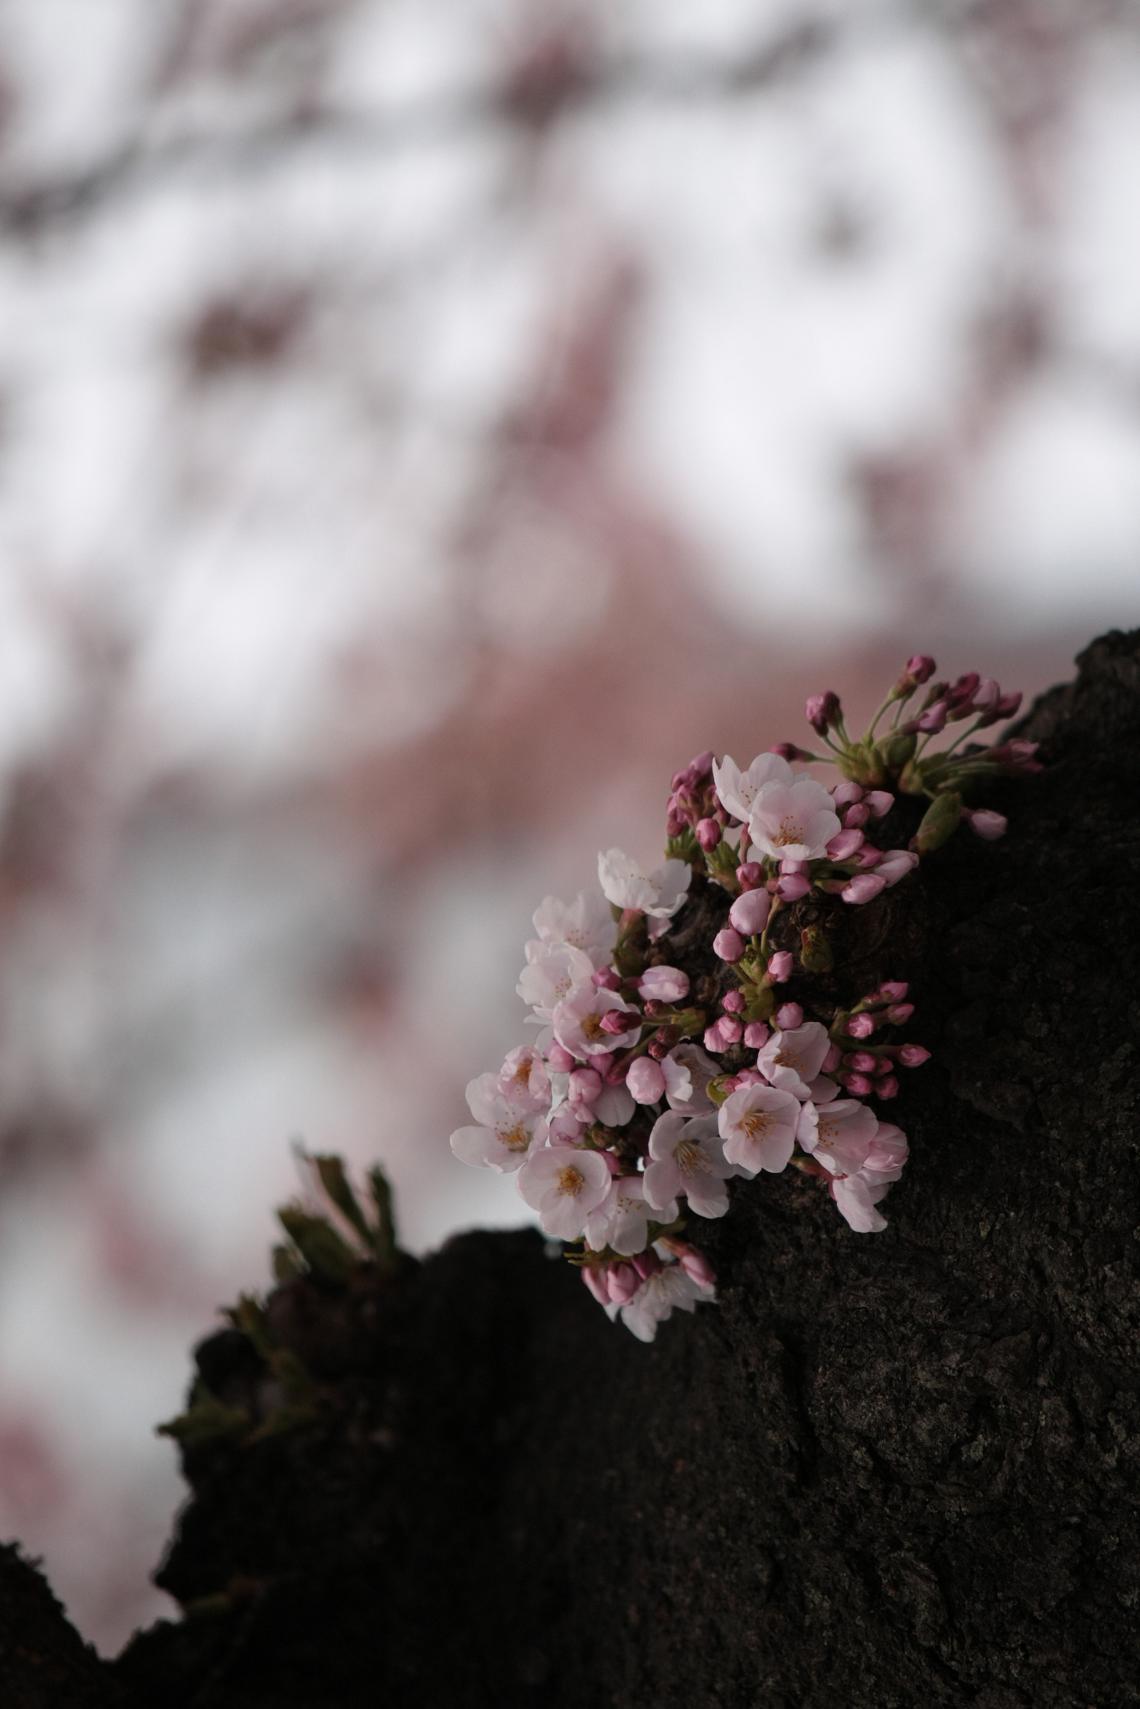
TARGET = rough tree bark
(883,1471)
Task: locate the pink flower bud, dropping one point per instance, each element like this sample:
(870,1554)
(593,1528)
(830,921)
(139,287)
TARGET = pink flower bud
(794,868)
(913,1055)
(732,1002)
(559,1060)
(822,711)
(585,1086)
(646,1080)
(868,857)
(623,1282)
(700,767)
(987,824)
(748,1077)
(879,802)
(603,1061)
(887,1087)
(646,1264)
(895,864)
(789,1015)
(749,875)
(861,1026)
(899,1013)
(607,979)
(697,1267)
(793,888)
(933,719)
(856,815)
(862,1061)
(592,1275)
(882,1066)
(986,695)
(708,834)
(921,667)
(728,945)
(893,991)
(1008,704)
(846,794)
(845,844)
(963,689)
(731,1029)
(756,1035)
(658,1049)
(832,1060)
(749,913)
(864,887)
(780,966)
(714,1040)
(857,1084)
(617,1021)
(664,984)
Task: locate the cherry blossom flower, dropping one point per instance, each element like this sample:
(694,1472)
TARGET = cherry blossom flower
(524,1078)
(837,1134)
(659,893)
(791,1061)
(688,1071)
(737,790)
(622,1220)
(577,1022)
(585,924)
(554,973)
(758,1126)
(564,1185)
(687,1159)
(506,1131)
(793,821)
(667,1290)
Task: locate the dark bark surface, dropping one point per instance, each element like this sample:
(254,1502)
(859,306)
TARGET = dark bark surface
(884,1471)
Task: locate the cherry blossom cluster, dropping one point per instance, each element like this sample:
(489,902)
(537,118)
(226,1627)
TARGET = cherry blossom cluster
(687,1031)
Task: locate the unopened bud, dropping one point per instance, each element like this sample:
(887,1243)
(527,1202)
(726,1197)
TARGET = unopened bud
(789,1015)
(939,822)
(887,1087)
(749,913)
(913,1055)
(780,966)
(708,834)
(729,945)
(822,711)
(645,1080)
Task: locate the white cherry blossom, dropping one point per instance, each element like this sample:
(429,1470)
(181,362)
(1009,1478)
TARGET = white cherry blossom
(622,1220)
(737,790)
(554,972)
(758,1126)
(791,1061)
(793,821)
(564,1185)
(687,1159)
(666,1291)
(659,893)
(585,924)
(506,1132)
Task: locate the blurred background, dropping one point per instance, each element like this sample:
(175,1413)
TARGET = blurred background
(423,425)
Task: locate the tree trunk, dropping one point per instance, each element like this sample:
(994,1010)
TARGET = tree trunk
(884,1470)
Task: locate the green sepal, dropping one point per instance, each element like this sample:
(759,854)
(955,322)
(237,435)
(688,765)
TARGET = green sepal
(684,846)
(722,863)
(815,952)
(939,822)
